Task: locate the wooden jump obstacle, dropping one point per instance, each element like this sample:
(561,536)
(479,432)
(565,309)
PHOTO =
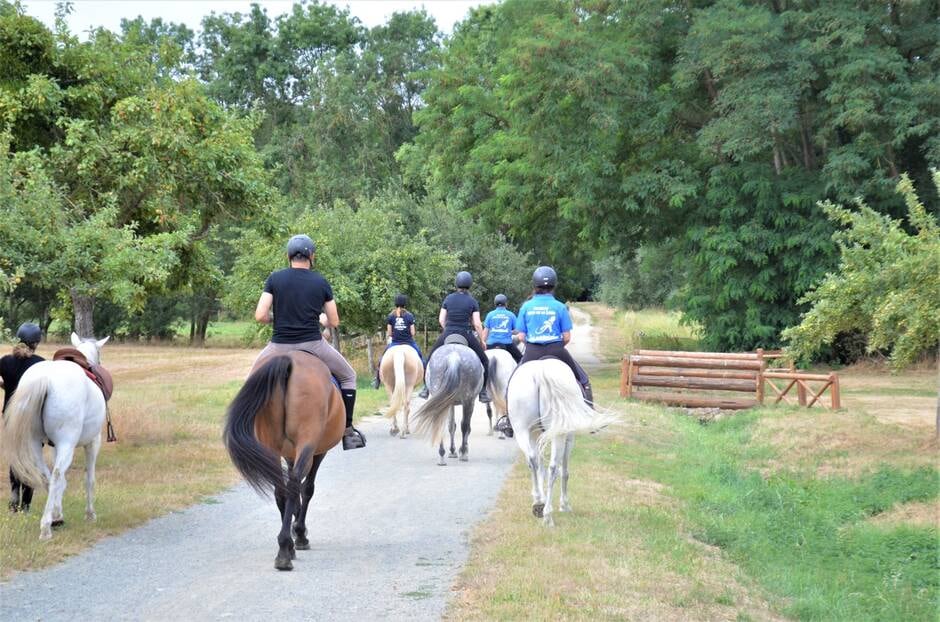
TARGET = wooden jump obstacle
(742,373)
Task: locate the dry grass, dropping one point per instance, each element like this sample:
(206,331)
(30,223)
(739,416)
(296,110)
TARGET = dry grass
(917,514)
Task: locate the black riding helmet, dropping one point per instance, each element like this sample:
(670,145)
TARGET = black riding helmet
(464,280)
(301,245)
(500,300)
(544,276)
(401,300)
(29,333)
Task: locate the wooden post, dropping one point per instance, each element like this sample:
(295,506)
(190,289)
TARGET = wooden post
(425,339)
(834,391)
(624,370)
(760,376)
(801,393)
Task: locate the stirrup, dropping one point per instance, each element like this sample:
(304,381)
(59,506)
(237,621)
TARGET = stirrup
(503,425)
(353,439)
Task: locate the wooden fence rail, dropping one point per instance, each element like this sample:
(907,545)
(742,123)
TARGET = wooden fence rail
(740,372)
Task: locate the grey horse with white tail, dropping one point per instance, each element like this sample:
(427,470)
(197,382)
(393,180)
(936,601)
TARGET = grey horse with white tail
(501,367)
(546,408)
(454,377)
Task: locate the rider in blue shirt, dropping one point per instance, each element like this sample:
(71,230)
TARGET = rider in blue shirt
(399,330)
(498,327)
(545,325)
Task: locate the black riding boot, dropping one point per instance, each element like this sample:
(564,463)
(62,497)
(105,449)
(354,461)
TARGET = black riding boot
(588,394)
(352,438)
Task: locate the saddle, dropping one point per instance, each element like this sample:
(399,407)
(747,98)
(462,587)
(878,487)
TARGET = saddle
(455,338)
(96,373)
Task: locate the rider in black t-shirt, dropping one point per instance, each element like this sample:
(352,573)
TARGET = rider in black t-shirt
(12,368)
(400,331)
(298,295)
(460,315)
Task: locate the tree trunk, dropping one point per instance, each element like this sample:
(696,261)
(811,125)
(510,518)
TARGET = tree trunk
(202,327)
(84,310)
(370,353)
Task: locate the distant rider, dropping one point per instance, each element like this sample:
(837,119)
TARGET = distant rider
(12,368)
(399,331)
(498,328)
(298,295)
(460,315)
(545,325)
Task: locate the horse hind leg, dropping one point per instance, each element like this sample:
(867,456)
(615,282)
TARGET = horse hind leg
(489,415)
(465,432)
(553,469)
(452,426)
(91,456)
(440,453)
(52,514)
(563,504)
(300,525)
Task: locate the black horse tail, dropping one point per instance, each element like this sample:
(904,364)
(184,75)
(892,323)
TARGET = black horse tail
(260,466)
(430,418)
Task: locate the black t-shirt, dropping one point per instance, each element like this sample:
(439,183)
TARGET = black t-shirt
(12,369)
(460,308)
(401,327)
(299,296)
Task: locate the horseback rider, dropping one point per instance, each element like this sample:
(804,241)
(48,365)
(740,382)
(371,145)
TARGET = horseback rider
(298,295)
(460,315)
(498,327)
(399,331)
(12,368)
(545,325)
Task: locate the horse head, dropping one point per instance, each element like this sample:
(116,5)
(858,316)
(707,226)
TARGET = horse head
(91,348)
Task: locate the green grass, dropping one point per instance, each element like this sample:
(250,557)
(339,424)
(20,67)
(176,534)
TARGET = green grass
(803,538)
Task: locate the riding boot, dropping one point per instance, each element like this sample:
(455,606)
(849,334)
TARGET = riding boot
(352,438)
(484,396)
(588,394)
(425,393)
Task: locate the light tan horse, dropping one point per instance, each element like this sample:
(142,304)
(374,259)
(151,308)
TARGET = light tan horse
(288,408)
(400,371)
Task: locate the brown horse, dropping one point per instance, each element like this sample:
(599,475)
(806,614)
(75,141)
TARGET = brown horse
(400,371)
(288,408)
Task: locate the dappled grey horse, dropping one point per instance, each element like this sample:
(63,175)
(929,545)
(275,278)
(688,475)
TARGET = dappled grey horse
(546,408)
(454,377)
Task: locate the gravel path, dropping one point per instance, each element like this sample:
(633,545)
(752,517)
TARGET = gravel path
(388,530)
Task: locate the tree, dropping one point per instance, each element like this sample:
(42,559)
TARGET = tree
(887,284)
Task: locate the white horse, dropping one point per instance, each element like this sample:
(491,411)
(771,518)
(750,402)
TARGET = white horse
(400,370)
(546,408)
(55,400)
(500,370)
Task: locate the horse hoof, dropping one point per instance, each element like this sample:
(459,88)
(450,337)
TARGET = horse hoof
(58,522)
(302,544)
(502,436)
(283,563)
(91,516)
(392,432)
(548,521)
(537,510)
(464,458)
(452,454)
(564,508)
(441,463)
(45,533)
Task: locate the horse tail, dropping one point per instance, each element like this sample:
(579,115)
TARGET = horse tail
(260,466)
(497,393)
(432,415)
(21,415)
(400,391)
(563,406)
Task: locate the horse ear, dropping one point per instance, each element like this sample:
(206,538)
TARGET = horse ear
(75,340)
(101,342)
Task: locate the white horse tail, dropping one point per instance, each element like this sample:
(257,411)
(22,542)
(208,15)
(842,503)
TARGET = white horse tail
(432,415)
(497,393)
(400,391)
(561,400)
(20,417)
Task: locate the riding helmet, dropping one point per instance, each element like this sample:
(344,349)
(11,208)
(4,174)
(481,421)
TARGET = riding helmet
(401,300)
(464,280)
(544,276)
(500,300)
(29,333)
(301,245)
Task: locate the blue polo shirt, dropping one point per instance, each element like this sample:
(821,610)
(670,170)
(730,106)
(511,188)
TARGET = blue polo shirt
(543,319)
(499,324)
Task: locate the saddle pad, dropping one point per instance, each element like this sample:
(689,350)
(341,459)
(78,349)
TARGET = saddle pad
(455,338)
